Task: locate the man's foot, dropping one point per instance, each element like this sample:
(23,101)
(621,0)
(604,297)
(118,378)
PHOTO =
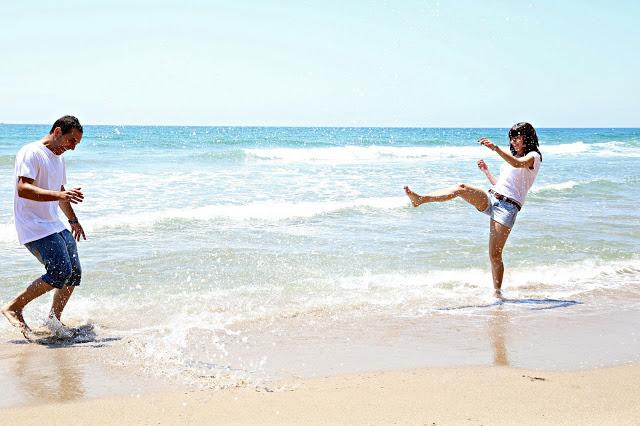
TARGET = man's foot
(57,328)
(498,294)
(416,200)
(17,320)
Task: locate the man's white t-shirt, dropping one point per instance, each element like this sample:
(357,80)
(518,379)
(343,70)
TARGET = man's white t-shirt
(38,219)
(515,182)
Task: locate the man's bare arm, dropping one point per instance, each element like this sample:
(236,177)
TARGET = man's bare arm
(27,189)
(76,228)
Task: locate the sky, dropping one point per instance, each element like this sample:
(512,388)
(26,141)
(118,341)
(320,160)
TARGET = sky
(426,63)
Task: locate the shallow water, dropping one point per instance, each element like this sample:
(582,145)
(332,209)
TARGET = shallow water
(222,251)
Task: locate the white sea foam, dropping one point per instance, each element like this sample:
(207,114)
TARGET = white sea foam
(8,233)
(212,326)
(437,288)
(601,149)
(260,211)
(366,154)
(363,154)
(616,149)
(555,187)
(568,148)
(577,280)
(206,330)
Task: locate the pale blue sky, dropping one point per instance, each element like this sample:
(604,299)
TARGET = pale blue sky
(322,63)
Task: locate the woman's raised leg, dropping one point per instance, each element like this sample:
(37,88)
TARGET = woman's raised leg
(472,195)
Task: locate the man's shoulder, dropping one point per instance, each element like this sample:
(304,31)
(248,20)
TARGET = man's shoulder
(31,147)
(34,151)
(29,158)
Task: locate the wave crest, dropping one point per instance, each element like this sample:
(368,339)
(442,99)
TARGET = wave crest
(264,211)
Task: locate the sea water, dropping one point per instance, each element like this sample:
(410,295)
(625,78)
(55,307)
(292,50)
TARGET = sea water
(242,252)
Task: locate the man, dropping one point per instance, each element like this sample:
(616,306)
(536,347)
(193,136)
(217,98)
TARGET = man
(40,179)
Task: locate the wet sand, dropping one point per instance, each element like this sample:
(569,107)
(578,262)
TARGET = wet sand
(44,374)
(501,365)
(469,395)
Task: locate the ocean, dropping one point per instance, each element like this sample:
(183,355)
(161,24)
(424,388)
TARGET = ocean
(228,255)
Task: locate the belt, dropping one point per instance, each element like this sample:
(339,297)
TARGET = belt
(506,199)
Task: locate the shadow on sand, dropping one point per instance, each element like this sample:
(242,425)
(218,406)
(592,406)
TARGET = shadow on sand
(538,304)
(84,335)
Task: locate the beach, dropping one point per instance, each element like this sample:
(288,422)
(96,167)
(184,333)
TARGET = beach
(471,395)
(462,374)
(280,275)
(352,213)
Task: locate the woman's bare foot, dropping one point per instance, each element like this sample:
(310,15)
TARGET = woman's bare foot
(16,319)
(416,200)
(497,293)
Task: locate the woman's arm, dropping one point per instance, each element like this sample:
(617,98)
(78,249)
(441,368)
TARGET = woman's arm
(485,169)
(526,161)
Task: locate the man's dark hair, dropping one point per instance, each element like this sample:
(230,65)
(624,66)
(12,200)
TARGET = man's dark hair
(66,124)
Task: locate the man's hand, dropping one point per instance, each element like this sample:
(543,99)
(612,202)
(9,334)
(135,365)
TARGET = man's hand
(77,231)
(73,196)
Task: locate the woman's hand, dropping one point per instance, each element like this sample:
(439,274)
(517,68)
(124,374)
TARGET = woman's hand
(487,142)
(485,169)
(483,166)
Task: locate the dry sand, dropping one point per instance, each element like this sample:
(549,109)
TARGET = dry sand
(440,396)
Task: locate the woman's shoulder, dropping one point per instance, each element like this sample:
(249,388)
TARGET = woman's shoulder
(537,159)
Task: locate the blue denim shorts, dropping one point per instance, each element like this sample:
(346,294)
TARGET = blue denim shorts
(501,211)
(59,255)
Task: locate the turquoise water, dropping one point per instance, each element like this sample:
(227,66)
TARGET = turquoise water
(199,237)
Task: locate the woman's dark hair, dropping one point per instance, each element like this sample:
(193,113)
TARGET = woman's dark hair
(530,138)
(66,124)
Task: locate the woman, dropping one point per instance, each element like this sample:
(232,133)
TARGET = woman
(506,197)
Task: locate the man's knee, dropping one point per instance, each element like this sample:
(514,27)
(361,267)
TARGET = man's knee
(59,276)
(75,277)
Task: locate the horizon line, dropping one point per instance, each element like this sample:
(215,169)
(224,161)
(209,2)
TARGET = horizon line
(319,127)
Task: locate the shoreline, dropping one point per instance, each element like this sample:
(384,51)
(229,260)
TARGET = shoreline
(470,395)
(302,349)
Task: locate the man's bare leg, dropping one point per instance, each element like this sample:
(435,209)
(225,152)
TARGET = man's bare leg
(474,196)
(60,298)
(13,310)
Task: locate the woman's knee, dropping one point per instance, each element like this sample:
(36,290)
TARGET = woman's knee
(495,254)
(461,188)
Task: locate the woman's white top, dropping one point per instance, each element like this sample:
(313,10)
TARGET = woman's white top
(515,182)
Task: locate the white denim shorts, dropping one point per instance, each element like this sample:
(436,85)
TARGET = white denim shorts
(501,211)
